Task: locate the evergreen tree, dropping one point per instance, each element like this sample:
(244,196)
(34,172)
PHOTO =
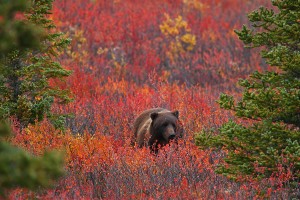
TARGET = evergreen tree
(17,167)
(270,102)
(25,91)
(20,169)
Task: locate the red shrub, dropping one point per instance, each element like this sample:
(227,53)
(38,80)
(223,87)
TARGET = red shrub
(121,66)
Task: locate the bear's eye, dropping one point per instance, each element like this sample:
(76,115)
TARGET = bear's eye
(174,126)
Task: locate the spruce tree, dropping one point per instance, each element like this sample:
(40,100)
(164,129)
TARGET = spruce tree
(25,91)
(17,167)
(269,134)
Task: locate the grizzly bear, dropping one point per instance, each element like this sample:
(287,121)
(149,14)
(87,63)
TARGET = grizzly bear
(157,127)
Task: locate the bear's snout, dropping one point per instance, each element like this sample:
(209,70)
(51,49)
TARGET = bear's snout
(169,133)
(172,136)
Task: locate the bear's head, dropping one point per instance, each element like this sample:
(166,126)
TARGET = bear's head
(164,128)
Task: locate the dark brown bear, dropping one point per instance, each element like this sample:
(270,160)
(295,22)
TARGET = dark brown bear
(157,127)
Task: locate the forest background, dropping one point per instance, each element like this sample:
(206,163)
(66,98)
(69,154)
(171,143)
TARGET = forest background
(128,56)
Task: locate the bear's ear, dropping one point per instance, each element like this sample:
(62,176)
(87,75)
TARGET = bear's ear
(176,113)
(153,115)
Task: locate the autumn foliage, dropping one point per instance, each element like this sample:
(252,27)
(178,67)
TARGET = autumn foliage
(128,56)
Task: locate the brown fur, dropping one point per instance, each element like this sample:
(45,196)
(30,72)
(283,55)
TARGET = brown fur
(156,127)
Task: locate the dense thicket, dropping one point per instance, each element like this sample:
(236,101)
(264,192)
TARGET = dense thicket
(128,56)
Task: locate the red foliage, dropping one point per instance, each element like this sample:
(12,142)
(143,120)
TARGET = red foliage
(120,63)
(129,31)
